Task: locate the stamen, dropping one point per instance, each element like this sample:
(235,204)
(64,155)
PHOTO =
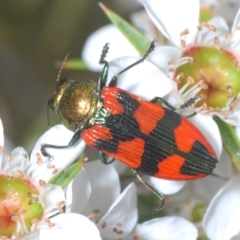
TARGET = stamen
(185,32)
(61,203)
(212,28)
(20,173)
(136,237)
(42,183)
(190,80)
(1,150)
(117,231)
(228,35)
(32,201)
(103,225)
(39,159)
(183,43)
(216,41)
(204,106)
(54,171)
(25,155)
(50,166)
(230,92)
(94,214)
(9,157)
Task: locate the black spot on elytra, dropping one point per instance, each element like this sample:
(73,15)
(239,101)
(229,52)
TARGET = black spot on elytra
(159,144)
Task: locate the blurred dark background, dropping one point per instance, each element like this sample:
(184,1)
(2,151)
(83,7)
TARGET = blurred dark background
(34,35)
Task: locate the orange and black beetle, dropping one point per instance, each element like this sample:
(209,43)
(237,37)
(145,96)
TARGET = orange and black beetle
(145,136)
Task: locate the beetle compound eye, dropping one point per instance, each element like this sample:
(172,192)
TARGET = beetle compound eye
(61,81)
(51,103)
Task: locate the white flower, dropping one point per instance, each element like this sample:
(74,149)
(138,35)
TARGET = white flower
(29,201)
(166,228)
(221,220)
(186,63)
(114,213)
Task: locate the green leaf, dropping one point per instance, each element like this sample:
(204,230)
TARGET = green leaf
(65,177)
(73,64)
(137,39)
(230,140)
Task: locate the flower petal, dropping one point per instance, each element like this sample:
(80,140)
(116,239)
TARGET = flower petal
(1,136)
(60,158)
(207,36)
(172,17)
(119,46)
(16,160)
(105,182)
(121,218)
(167,187)
(145,79)
(162,55)
(78,192)
(67,226)
(51,195)
(221,220)
(167,228)
(236,34)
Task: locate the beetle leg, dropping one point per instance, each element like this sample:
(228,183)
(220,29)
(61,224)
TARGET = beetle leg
(187,104)
(113,82)
(159,195)
(103,158)
(104,73)
(73,140)
(156,99)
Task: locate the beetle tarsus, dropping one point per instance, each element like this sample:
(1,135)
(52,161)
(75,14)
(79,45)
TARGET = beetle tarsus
(148,185)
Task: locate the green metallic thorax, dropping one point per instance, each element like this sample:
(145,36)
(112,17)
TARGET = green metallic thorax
(75,103)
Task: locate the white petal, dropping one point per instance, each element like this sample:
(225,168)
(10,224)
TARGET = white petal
(172,17)
(145,80)
(227,9)
(78,192)
(167,228)
(162,55)
(105,182)
(119,46)
(1,135)
(224,167)
(207,187)
(167,187)
(67,226)
(207,36)
(19,161)
(60,158)
(210,130)
(236,22)
(121,216)
(221,220)
(51,195)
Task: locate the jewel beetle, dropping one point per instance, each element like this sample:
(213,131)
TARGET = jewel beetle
(147,137)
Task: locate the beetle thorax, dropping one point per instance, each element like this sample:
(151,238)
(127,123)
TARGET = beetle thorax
(77,103)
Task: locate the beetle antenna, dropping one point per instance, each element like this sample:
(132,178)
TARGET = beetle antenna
(64,61)
(48,117)
(105,49)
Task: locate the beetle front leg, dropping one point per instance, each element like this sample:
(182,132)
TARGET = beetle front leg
(103,158)
(113,82)
(159,195)
(73,140)
(104,73)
